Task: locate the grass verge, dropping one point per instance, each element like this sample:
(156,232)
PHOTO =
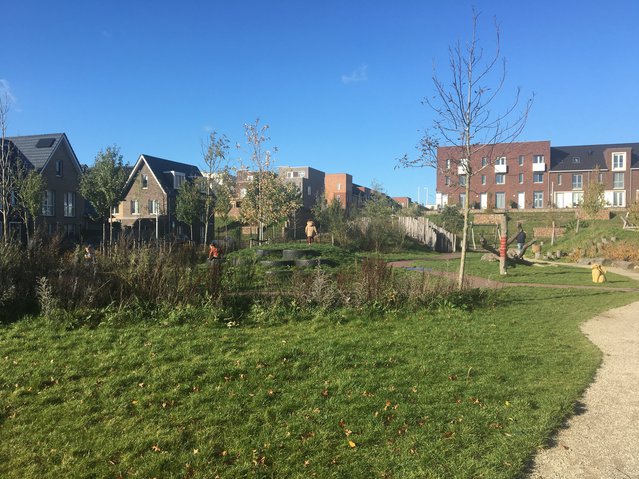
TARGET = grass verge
(448,394)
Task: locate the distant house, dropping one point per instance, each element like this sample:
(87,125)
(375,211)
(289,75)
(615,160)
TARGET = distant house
(149,198)
(403,201)
(53,157)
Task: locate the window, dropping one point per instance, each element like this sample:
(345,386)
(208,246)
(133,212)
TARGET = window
(448,164)
(500,200)
(462,180)
(339,187)
(68,230)
(538,177)
(601,177)
(69,204)
(577,181)
(500,160)
(58,168)
(500,179)
(289,174)
(538,199)
(559,179)
(135,207)
(484,161)
(462,199)
(521,160)
(618,198)
(447,180)
(48,203)
(538,159)
(308,191)
(577,198)
(116,209)
(145,181)
(617,180)
(576,160)
(178,180)
(521,178)
(483,179)
(154,207)
(618,161)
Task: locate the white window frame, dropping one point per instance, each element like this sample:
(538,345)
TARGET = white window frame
(619,161)
(135,207)
(577,185)
(500,197)
(538,159)
(447,163)
(500,161)
(483,179)
(538,199)
(447,180)
(500,178)
(538,177)
(144,181)
(69,204)
(616,184)
(484,161)
(619,198)
(559,179)
(48,203)
(577,198)
(521,160)
(462,180)
(154,207)
(521,178)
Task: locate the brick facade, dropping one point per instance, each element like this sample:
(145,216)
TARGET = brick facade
(532,175)
(339,186)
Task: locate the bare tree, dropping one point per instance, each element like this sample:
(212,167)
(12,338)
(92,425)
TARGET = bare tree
(464,106)
(8,170)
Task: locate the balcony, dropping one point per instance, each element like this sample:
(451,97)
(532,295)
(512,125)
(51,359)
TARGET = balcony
(539,167)
(501,168)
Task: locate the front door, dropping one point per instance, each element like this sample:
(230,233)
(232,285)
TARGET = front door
(521,200)
(559,200)
(483,201)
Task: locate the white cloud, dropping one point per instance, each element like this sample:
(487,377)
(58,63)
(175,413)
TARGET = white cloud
(359,75)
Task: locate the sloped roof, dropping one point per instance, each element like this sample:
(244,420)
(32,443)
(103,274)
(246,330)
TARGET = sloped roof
(38,148)
(590,156)
(161,169)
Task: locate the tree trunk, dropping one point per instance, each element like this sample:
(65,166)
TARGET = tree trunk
(464,245)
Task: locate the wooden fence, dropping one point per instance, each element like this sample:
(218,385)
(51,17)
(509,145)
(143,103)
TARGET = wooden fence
(428,233)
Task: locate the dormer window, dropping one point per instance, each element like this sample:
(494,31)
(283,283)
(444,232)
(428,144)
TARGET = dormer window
(619,161)
(576,160)
(178,179)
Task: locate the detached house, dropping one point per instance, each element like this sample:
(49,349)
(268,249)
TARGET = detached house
(53,157)
(149,197)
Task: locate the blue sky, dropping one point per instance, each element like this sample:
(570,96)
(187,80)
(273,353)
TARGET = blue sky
(339,82)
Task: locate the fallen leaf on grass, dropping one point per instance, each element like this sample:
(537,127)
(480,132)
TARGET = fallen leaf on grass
(352,444)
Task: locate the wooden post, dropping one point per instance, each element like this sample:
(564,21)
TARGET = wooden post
(503,244)
(552,236)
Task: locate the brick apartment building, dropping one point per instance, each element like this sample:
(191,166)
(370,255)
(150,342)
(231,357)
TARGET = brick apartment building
(532,175)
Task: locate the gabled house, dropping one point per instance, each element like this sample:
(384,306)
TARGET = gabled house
(149,198)
(53,157)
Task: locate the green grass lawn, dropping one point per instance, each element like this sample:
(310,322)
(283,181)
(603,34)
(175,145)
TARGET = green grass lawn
(542,274)
(448,394)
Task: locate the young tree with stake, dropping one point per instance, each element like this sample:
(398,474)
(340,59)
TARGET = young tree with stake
(465,118)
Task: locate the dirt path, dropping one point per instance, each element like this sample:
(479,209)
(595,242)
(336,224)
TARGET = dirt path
(602,440)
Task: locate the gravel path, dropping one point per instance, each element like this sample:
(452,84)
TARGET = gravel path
(602,440)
